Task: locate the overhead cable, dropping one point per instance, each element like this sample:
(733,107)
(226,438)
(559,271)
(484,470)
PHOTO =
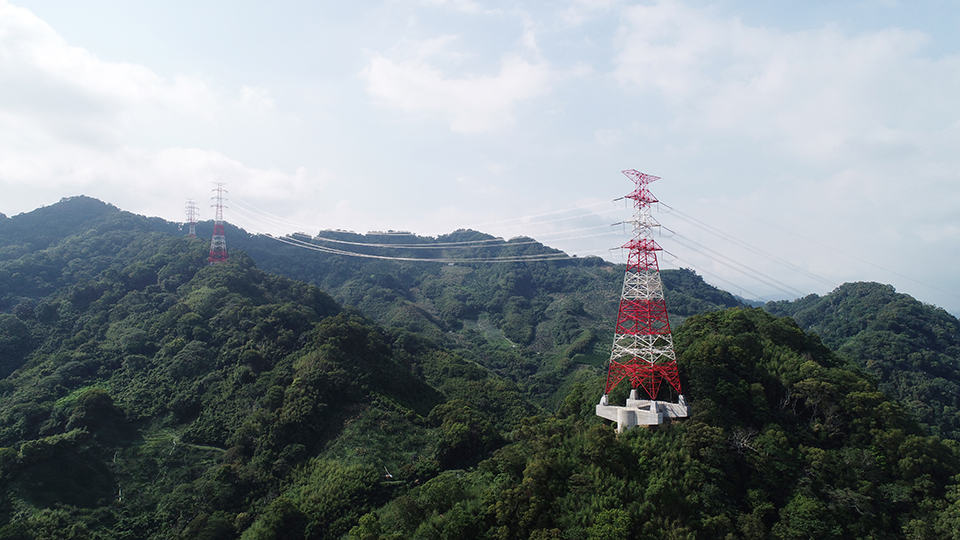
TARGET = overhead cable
(733,264)
(825,246)
(714,276)
(446,260)
(755,250)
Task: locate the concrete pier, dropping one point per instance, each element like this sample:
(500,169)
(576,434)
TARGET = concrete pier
(641,412)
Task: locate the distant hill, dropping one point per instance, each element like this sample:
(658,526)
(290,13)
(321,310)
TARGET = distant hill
(539,324)
(60,245)
(148,394)
(784,442)
(911,348)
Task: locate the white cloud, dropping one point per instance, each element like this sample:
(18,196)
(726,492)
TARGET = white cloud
(854,117)
(607,137)
(424,49)
(147,181)
(847,139)
(256,100)
(820,94)
(70,123)
(529,37)
(470,104)
(69,89)
(465,6)
(580,11)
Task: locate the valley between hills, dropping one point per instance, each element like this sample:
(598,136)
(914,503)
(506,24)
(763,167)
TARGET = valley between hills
(289,393)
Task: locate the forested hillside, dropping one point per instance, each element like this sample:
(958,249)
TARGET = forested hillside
(911,348)
(785,442)
(535,323)
(165,398)
(147,394)
(64,244)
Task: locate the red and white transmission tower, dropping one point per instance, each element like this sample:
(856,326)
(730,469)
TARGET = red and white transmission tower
(218,246)
(642,344)
(192,212)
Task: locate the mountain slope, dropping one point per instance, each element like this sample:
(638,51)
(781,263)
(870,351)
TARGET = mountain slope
(540,324)
(153,395)
(784,442)
(912,349)
(164,397)
(62,244)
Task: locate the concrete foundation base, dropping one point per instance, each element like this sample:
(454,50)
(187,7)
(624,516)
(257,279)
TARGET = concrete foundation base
(641,412)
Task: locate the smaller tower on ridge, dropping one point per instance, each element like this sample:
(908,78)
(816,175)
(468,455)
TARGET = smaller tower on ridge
(218,246)
(192,212)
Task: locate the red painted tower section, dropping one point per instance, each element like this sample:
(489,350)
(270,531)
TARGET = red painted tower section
(218,246)
(642,345)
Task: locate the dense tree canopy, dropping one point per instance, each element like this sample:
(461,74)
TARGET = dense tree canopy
(911,348)
(147,394)
(785,442)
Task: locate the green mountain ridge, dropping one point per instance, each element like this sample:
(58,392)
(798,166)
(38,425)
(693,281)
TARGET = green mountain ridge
(211,388)
(150,395)
(911,348)
(533,323)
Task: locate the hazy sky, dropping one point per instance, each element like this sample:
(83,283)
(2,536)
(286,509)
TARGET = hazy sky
(814,142)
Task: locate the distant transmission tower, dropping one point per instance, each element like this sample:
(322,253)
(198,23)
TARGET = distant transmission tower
(218,246)
(192,212)
(642,344)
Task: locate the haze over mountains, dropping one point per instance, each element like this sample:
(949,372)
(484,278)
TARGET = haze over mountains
(291,393)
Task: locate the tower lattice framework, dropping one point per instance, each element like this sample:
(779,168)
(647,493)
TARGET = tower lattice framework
(218,246)
(642,344)
(192,211)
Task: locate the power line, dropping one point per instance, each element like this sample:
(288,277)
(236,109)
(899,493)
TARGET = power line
(258,217)
(265,221)
(715,276)
(733,264)
(753,249)
(467,244)
(515,258)
(822,245)
(522,220)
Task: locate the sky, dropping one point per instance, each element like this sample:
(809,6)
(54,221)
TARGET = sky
(800,145)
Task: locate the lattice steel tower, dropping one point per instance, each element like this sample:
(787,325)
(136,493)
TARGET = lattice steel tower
(642,344)
(218,246)
(191,208)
